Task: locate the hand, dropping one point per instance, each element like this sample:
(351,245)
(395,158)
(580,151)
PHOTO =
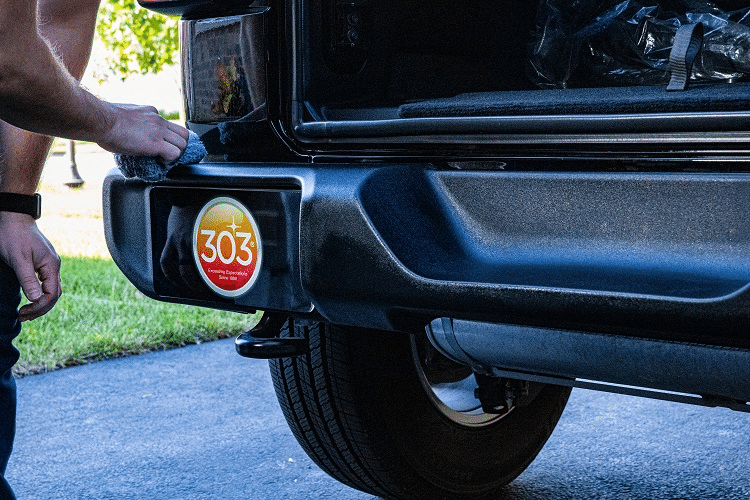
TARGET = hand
(25,249)
(141,131)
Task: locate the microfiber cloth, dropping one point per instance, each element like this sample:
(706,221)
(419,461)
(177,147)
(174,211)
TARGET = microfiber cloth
(149,168)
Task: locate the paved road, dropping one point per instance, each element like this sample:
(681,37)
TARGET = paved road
(201,422)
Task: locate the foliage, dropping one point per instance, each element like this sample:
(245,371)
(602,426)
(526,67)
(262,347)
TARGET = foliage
(137,40)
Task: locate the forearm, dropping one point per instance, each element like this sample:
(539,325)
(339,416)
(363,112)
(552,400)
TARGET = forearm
(38,94)
(23,157)
(69,27)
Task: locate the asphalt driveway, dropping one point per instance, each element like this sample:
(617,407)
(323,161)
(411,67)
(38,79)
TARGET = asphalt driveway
(203,423)
(191,423)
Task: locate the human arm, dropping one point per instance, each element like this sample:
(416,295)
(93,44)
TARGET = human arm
(69,26)
(37,93)
(22,246)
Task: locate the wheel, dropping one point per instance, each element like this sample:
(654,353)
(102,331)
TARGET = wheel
(384,413)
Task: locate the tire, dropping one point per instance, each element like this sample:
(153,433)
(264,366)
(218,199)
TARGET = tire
(359,407)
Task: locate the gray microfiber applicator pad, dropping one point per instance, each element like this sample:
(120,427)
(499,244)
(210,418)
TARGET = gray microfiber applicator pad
(149,168)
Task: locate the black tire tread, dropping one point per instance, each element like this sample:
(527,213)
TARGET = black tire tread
(331,396)
(317,419)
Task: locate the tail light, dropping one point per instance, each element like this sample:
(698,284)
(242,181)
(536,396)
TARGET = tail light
(224,68)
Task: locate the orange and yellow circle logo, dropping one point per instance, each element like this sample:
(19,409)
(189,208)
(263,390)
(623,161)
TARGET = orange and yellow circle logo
(227,247)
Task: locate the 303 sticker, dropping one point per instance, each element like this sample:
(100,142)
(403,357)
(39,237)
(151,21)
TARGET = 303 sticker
(227,247)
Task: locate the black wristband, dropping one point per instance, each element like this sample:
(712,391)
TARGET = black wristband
(22,204)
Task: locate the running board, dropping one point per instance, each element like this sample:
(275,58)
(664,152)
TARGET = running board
(674,371)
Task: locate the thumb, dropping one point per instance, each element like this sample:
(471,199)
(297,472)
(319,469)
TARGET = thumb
(30,285)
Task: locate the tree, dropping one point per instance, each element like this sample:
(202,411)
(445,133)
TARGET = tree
(137,40)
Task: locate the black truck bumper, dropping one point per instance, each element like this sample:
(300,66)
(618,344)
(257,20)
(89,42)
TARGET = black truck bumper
(393,247)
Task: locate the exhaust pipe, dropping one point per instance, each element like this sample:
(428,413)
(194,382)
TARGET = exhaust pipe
(614,363)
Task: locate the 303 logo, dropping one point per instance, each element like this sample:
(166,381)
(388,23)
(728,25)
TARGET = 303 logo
(217,249)
(227,246)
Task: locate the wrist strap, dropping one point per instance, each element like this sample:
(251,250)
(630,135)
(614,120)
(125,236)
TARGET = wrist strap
(22,204)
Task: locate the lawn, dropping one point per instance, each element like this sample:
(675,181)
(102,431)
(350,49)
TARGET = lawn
(101,315)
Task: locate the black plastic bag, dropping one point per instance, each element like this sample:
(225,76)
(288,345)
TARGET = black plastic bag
(595,43)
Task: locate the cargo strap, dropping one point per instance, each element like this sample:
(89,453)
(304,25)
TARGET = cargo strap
(687,44)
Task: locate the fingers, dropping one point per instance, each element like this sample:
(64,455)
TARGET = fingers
(30,285)
(169,153)
(34,310)
(181,131)
(33,259)
(175,139)
(141,131)
(41,284)
(175,145)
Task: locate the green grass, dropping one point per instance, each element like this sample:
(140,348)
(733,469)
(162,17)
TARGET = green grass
(101,315)
(170,115)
